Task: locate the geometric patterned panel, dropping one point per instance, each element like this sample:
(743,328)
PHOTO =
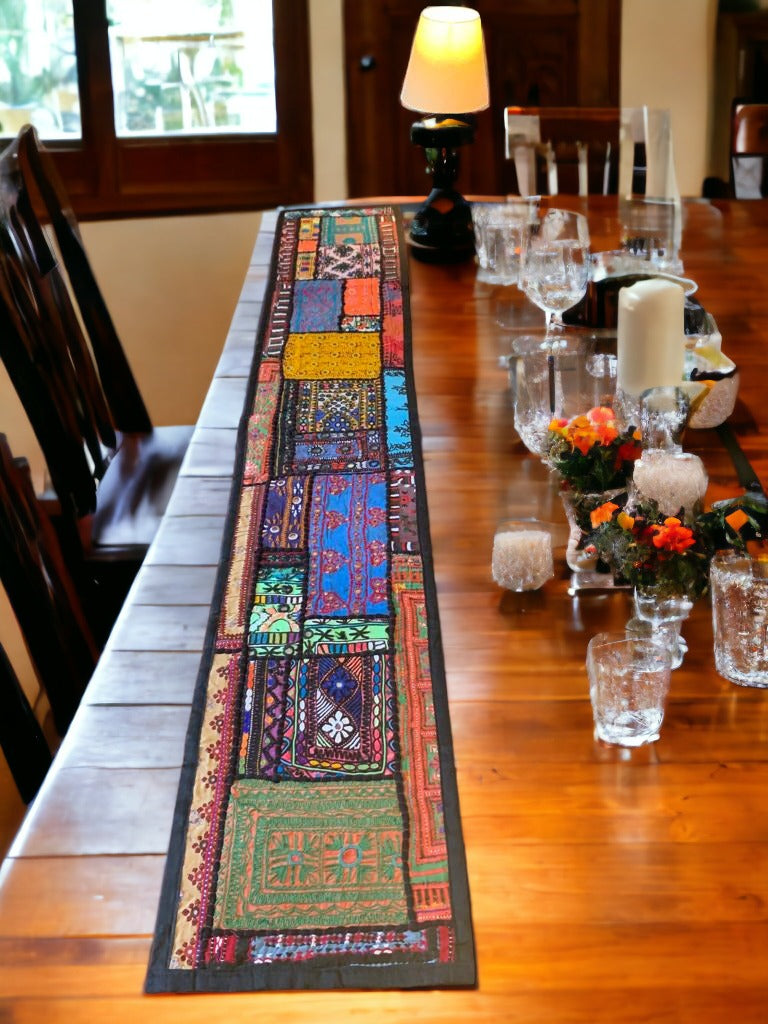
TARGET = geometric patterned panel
(321,857)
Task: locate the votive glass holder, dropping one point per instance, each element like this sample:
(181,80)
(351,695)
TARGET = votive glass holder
(522,557)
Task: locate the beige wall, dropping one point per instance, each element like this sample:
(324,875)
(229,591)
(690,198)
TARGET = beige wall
(667,60)
(328,104)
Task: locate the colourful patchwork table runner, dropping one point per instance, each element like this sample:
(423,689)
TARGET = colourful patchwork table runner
(317,841)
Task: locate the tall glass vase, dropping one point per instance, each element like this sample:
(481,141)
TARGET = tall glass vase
(588,573)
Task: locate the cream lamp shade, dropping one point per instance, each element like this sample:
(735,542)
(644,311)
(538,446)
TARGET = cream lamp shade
(447,71)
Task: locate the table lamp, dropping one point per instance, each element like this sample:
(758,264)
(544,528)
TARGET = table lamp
(446,79)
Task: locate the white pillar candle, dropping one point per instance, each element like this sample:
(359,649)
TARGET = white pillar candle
(650,340)
(522,559)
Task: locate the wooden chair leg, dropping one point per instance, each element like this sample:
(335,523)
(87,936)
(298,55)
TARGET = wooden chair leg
(21,737)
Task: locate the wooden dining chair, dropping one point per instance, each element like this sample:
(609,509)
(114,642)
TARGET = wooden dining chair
(42,593)
(111,469)
(22,739)
(749,150)
(568,150)
(43,197)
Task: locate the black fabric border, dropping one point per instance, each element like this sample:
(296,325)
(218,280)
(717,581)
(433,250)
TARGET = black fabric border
(310,974)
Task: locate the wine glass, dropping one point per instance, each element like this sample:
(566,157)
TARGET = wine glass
(554,263)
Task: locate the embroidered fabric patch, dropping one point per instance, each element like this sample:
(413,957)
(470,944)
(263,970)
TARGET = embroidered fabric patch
(311,858)
(329,355)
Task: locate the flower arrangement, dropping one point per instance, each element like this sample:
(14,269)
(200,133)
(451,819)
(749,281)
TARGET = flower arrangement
(590,453)
(738,523)
(649,549)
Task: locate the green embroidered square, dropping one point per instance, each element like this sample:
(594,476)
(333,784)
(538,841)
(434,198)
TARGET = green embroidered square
(299,856)
(349,228)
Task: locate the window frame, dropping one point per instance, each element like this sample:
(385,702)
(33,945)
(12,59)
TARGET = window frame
(107,176)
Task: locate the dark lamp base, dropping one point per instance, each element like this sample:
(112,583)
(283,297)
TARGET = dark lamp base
(441,231)
(442,228)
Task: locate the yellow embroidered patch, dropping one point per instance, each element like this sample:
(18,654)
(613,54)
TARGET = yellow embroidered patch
(330,356)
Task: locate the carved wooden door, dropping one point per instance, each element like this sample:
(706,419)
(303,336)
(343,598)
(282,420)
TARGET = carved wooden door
(540,53)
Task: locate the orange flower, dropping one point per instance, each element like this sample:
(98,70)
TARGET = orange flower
(578,423)
(601,414)
(672,535)
(606,433)
(558,425)
(581,434)
(737,519)
(602,514)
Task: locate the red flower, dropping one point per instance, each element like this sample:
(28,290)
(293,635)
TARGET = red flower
(627,452)
(672,536)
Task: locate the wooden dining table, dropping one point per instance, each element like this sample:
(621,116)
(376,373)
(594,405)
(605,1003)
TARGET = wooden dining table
(607,884)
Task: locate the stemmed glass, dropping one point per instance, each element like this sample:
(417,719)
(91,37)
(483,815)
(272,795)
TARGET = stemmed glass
(554,264)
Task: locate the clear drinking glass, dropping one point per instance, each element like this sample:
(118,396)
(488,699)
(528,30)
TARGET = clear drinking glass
(498,231)
(554,264)
(628,687)
(740,618)
(550,382)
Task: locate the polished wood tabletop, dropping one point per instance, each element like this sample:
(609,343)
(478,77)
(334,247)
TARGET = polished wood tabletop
(607,884)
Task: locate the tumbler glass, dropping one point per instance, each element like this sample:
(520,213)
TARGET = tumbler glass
(628,686)
(740,618)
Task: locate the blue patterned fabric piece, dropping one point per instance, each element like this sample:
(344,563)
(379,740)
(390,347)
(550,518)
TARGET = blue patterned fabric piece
(317,306)
(398,422)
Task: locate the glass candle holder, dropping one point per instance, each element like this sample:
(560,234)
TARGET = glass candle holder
(674,479)
(663,415)
(666,632)
(522,556)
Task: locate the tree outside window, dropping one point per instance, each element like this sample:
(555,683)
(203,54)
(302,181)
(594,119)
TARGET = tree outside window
(38,68)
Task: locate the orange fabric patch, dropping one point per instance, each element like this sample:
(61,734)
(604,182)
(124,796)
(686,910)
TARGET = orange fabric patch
(361,297)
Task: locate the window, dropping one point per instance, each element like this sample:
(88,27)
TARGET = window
(38,68)
(192,67)
(151,106)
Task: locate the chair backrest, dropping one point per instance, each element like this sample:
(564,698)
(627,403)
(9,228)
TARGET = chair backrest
(40,180)
(36,354)
(23,741)
(749,149)
(42,593)
(46,352)
(569,150)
